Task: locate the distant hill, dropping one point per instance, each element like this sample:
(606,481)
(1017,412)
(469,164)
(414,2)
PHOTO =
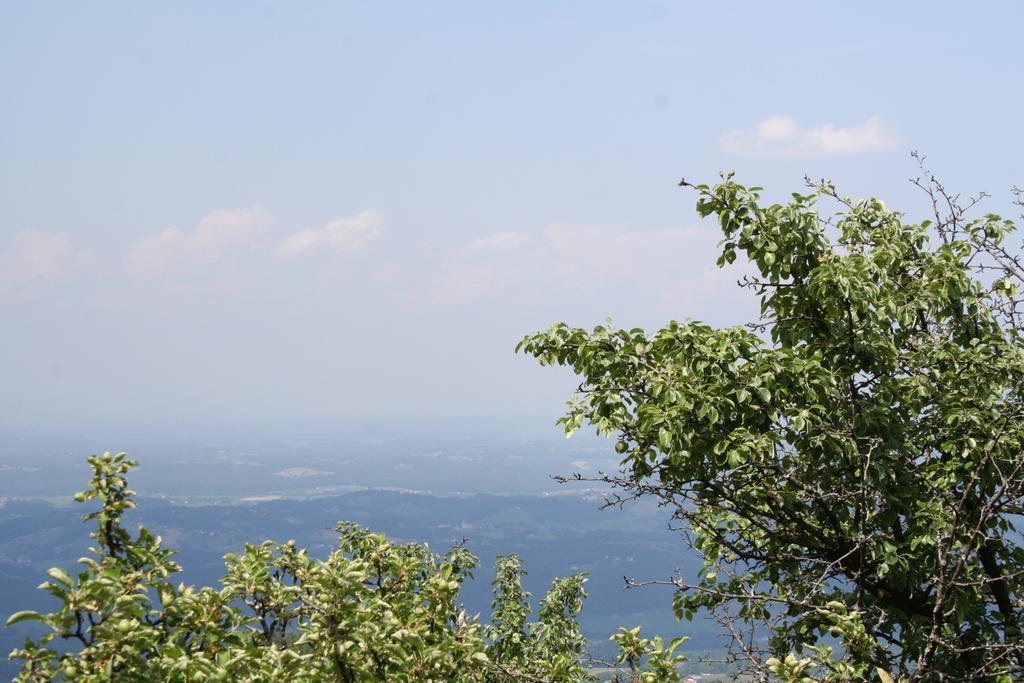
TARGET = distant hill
(555,535)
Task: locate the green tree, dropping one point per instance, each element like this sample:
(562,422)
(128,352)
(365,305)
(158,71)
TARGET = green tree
(372,610)
(848,466)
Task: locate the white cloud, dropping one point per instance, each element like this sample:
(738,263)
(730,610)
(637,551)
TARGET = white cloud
(217,235)
(462,281)
(582,254)
(573,260)
(499,241)
(34,255)
(781,136)
(342,235)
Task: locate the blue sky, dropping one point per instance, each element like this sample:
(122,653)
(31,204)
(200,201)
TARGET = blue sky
(278,212)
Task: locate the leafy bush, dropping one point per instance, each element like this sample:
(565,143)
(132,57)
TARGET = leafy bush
(850,466)
(371,611)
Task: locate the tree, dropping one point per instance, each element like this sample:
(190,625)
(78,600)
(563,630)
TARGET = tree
(371,611)
(849,465)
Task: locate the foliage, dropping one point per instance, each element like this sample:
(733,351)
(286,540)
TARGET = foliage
(372,610)
(649,660)
(849,466)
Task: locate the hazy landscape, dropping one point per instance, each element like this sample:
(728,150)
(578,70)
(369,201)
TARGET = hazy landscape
(370,262)
(487,485)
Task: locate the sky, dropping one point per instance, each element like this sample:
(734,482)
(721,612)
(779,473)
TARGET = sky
(274,213)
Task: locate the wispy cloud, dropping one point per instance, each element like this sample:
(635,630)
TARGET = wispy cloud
(572,259)
(231,257)
(781,136)
(499,241)
(341,235)
(33,255)
(216,236)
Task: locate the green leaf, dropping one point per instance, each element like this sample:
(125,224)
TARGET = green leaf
(60,575)
(25,615)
